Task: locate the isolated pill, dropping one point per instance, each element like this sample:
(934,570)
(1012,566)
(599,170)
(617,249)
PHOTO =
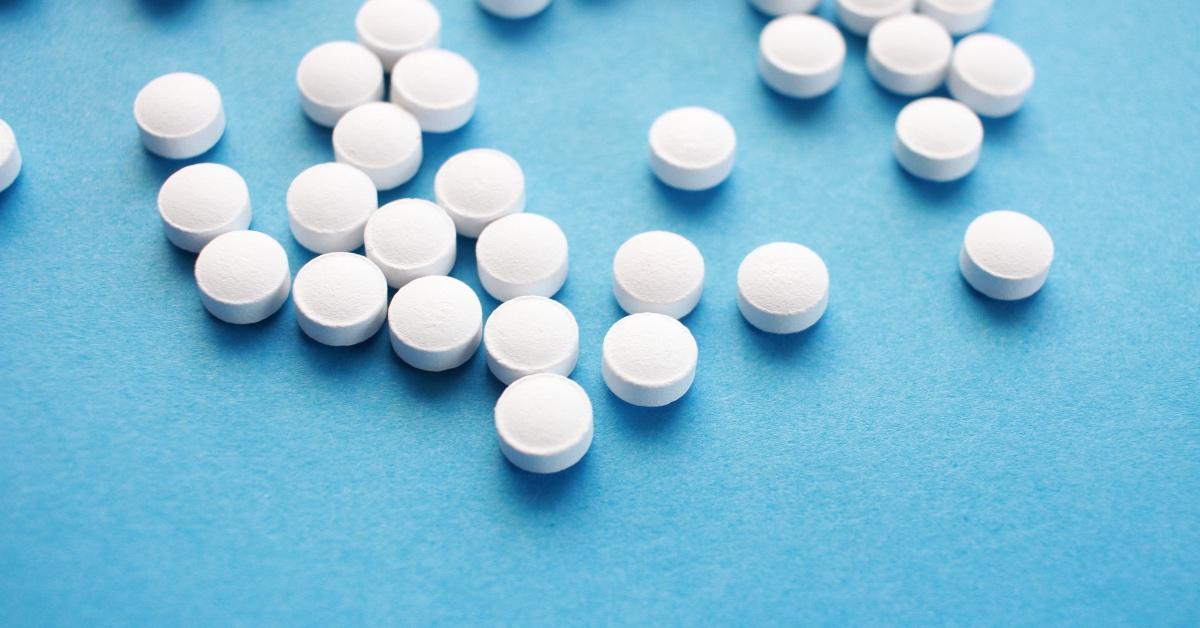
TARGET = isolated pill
(908,54)
(783,287)
(382,140)
(544,423)
(243,277)
(1006,255)
(411,238)
(860,16)
(783,7)
(960,17)
(439,88)
(692,148)
(200,202)
(340,299)
(336,77)
(801,56)
(179,115)
(328,206)
(530,335)
(435,323)
(658,271)
(392,28)
(649,359)
(938,139)
(479,186)
(522,254)
(514,9)
(10,156)
(990,74)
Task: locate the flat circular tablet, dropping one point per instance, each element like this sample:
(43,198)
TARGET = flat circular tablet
(1006,255)
(243,277)
(649,359)
(990,74)
(522,254)
(328,206)
(783,7)
(479,186)
(392,29)
(960,17)
(783,287)
(530,335)
(938,139)
(10,156)
(908,54)
(860,16)
(658,271)
(382,140)
(439,88)
(544,423)
(340,299)
(411,238)
(202,201)
(692,148)
(801,56)
(336,77)
(514,9)
(435,323)
(179,115)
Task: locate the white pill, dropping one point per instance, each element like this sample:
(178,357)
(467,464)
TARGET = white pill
(340,299)
(336,77)
(908,54)
(243,277)
(479,186)
(658,271)
(439,88)
(435,323)
(1006,255)
(522,254)
(394,28)
(411,238)
(783,287)
(179,115)
(960,17)
(202,201)
(938,139)
(382,140)
(801,56)
(692,148)
(514,9)
(649,359)
(10,156)
(544,423)
(860,16)
(783,7)
(990,74)
(328,206)
(530,335)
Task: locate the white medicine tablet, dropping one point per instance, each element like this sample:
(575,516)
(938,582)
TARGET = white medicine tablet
(649,359)
(243,277)
(411,238)
(10,156)
(658,271)
(179,115)
(336,77)
(392,28)
(439,88)
(1006,255)
(990,74)
(479,186)
(860,16)
(783,287)
(382,140)
(514,9)
(202,201)
(801,56)
(435,323)
(938,139)
(544,423)
(960,17)
(783,7)
(522,254)
(340,299)
(692,148)
(530,335)
(908,54)
(328,206)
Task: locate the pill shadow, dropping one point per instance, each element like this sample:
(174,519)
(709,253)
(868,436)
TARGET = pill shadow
(318,138)
(160,167)
(426,385)
(782,347)
(237,339)
(538,491)
(13,5)
(701,202)
(649,423)
(1007,313)
(797,109)
(510,30)
(1002,130)
(10,201)
(340,363)
(165,9)
(933,192)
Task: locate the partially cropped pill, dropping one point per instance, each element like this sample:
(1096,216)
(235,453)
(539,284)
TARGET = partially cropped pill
(544,423)
(1006,255)
(860,16)
(179,115)
(990,74)
(392,28)
(530,335)
(479,186)
(438,86)
(435,323)
(649,359)
(908,54)
(202,201)
(328,206)
(243,277)
(960,17)
(938,139)
(783,287)
(692,148)
(658,271)
(514,9)
(783,7)
(801,56)
(340,299)
(10,156)
(382,140)
(335,77)
(522,254)
(411,238)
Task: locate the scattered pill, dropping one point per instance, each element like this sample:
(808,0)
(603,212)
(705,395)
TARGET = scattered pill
(908,54)
(658,271)
(530,335)
(202,201)
(340,299)
(544,423)
(1006,255)
(382,140)
(392,29)
(783,287)
(783,7)
(439,88)
(243,277)
(179,115)
(479,186)
(938,139)
(411,238)
(649,359)
(514,9)
(336,77)
(960,17)
(692,148)
(990,74)
(801,56)
(860,16)
(328,205)
(522,254)
(435,323)
(10,156)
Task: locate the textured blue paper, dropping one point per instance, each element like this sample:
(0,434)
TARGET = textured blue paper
(923,455)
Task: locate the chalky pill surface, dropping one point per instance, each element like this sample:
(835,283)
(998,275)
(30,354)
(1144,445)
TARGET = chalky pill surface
(960,17)
(394,28)
(938,139)
(649,359)
(990,74)
(529,335)
(179,115)
(435,323)
(692,148)
(860,16)
(382,140)
(10,156)
(544,423)
(479,186)
(783,7)
(658,271)
(202,201)
(328,206)
(783,287)
(908,54)
(243,277)
(438,86)
(336,77)
(340,299)
(1006,255)
(801,56)
(514,9)
(411,238)
(522,254)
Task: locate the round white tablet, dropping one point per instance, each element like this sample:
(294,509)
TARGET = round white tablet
(990,74)
(658,271)
(783,7)
(479,186)
(340,299)
(908,54)
(336,77)
(860,16)
(649,359)
(801,56)
(960,17)
(328,206)
(938,139)
(439,88)
(435,323)
(530,335)
(522,254)
(514,9)
(10,156)
(394,28)
(783,287)
(411,238)
(692,148)
(382,140)
(544,423)
(1006,255)
(202,201)
(179,115)
(243,277)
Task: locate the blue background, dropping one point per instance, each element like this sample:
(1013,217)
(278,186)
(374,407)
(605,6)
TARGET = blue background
(923,455)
